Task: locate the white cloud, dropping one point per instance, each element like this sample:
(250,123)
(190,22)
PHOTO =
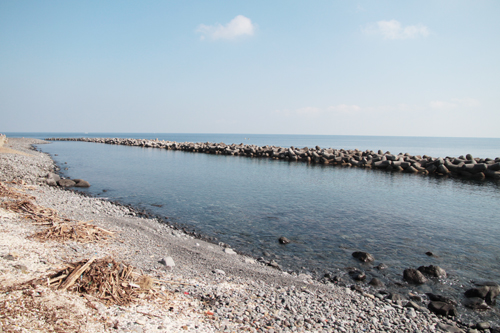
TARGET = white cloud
(393,30)
(238,26)
(344,108)
(454,103)
(310,110)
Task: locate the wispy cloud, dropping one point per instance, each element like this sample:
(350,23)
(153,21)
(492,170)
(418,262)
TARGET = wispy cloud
(239,26)
(344,108)
(310,110)
(394,30)
(454,103)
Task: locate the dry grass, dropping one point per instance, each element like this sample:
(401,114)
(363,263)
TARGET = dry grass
(59,229)
(81,232)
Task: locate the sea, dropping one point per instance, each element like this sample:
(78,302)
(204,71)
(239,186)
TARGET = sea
(327,212)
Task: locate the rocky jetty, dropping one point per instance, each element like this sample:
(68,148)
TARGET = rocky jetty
(466,167)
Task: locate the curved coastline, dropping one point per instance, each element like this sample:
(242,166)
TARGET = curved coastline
(464,167)
(275,284)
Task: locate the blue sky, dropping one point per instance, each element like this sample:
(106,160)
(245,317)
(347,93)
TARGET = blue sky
(411,68)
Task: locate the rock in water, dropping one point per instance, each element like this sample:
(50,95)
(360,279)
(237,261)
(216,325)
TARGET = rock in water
(440,298)
(414,276)
(432,270)
(283,240)
(81,183)
(357,275)
(375,282)
(363,256)
(476,303)
(442,308)
(486,290)
(66,183)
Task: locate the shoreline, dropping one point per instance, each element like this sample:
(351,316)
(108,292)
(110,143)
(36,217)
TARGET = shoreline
(241,292)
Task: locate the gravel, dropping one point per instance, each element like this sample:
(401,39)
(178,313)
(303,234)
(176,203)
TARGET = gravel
(222,291)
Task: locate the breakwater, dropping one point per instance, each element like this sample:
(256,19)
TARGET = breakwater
(466,167)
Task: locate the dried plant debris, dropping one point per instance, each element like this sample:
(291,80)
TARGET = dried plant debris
(111,282)
(82,232)
(40,215)
(60,229)
(39,310)
(13,194)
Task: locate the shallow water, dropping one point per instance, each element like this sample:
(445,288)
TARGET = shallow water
(328,212)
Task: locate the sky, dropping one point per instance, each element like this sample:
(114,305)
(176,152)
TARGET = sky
(388,67)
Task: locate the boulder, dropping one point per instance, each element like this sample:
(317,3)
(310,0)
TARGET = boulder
(414,276)
(434,271)
(442,308)
(476,303)
(440,298)
(53,176)
(357,275)
(375,282)
(81,183)
(51,182)
(66,183)
(363,256)
(381,266)
(167,261)
(486,290)
(283,240)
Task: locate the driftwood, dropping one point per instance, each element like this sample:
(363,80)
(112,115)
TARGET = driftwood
(81,231)
(12,193)
(107,280)
(59,228)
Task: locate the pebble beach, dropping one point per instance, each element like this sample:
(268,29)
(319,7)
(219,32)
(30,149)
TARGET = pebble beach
(210,287)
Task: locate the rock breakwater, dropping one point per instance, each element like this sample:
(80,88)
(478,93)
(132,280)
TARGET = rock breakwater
(466,167)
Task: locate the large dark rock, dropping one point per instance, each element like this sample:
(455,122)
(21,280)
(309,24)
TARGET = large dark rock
(440,298)
(377,283)
(357,275)
(434,271)
(66,183)
(363,256)
(486,290)
(283,240)
(81,183)
(414,276)
(476,303)
(442,308)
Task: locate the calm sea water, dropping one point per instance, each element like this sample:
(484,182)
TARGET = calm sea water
(327,212)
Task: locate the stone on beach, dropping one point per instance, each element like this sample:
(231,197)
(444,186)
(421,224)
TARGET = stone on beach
(442,308)
(229,251)
(167,261)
